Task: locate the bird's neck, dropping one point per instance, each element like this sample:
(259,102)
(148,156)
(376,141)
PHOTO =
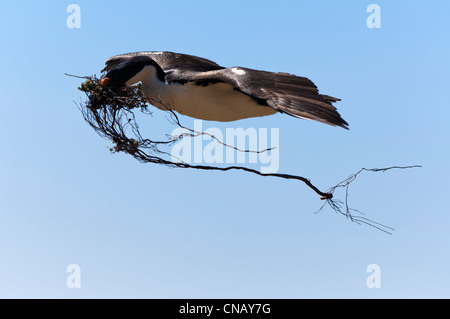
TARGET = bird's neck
(149,73)
(152,85)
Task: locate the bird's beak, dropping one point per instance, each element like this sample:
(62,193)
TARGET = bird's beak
(105,82)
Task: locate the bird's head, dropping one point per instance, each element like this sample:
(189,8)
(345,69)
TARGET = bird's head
(131,70)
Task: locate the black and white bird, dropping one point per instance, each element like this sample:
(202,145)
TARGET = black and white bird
(202,89)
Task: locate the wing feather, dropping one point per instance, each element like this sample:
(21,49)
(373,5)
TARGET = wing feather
(294,95)
(168,61)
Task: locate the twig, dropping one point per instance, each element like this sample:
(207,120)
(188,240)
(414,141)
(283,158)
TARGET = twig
(110,112)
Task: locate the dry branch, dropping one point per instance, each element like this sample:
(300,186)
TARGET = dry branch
(110,112)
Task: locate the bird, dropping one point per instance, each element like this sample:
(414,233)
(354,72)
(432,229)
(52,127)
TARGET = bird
(202,89)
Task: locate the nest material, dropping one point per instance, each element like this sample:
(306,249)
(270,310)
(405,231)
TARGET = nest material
(110,112)
(128,97)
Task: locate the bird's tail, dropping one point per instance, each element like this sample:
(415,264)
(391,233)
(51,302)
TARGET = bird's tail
(329,98)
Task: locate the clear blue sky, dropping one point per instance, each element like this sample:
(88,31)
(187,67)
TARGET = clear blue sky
(147,231)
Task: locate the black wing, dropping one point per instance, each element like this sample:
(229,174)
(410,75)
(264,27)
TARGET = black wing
(286,93)
(169,61)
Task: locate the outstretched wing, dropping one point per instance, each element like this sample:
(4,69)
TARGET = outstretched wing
(286,93)
(169,61)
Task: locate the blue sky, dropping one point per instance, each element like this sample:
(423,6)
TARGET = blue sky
(145,231)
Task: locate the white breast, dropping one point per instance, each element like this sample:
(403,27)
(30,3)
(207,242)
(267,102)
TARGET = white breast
(214,102)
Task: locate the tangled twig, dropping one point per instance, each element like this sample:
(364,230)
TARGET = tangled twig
(343,208)
(109,111)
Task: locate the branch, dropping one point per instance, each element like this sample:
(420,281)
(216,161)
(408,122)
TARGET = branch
(109,111)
